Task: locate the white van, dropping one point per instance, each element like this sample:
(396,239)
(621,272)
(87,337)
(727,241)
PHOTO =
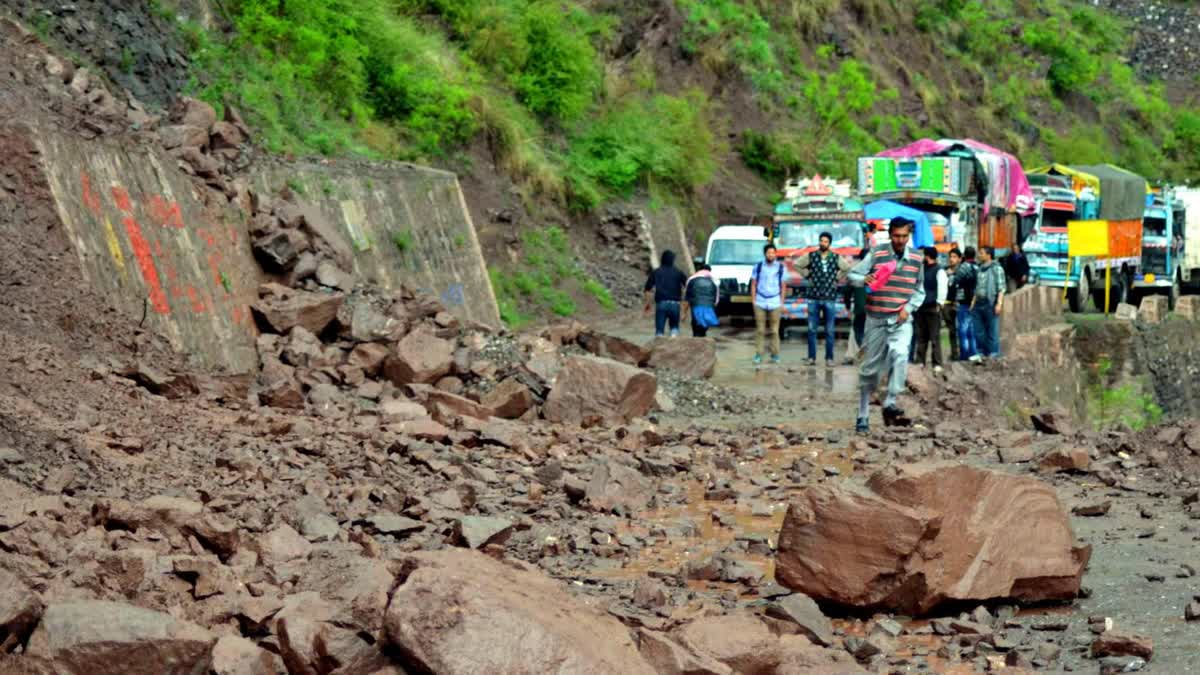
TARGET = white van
(732,252)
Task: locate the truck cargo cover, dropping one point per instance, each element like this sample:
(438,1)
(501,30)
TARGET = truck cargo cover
(1122,193)
(1007,188)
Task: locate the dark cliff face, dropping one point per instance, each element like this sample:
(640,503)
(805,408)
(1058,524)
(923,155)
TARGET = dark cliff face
(1166,38)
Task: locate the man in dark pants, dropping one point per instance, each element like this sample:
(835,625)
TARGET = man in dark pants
(950,306)
(929,314)
(667,284)
(1016,268)
(822,268)
(989,301)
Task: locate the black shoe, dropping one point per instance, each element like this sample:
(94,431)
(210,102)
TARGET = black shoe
(893,416)
(862,425)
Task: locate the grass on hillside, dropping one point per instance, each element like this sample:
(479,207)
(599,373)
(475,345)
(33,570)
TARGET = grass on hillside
(541,281)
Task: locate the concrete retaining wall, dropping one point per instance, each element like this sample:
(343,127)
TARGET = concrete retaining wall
(1027,311)
(143,238)
(407,225)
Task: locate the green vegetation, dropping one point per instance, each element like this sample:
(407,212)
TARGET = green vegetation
(541,281)
(403,240)
(1127,404)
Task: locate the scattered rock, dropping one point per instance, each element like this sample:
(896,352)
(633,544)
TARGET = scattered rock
(1092,510)
(1114,643)
(694,358)
(420,357)
(285,308)
(589,387)
(802,611)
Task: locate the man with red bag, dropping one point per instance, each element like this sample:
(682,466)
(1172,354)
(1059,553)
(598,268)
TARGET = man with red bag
(892,274)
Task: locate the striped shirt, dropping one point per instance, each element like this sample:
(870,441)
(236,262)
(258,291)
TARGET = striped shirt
(904,289)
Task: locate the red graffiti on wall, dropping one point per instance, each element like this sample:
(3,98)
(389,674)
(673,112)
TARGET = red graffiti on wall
(164,213)
(90,199)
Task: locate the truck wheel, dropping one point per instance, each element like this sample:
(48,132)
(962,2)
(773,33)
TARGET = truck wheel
(1077,297)
(1115,297)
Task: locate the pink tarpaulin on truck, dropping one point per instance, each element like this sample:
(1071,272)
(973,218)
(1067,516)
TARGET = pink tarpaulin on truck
(1008,188)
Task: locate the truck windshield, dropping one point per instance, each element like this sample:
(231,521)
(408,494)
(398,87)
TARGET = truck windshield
(1155,227)
(1055,220)
(735,251)
(808,235)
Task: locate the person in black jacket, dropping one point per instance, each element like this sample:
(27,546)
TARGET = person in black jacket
(667,284)
(1016,268)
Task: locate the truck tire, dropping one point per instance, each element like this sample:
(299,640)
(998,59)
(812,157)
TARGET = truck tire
(1077,297)
(1115,297)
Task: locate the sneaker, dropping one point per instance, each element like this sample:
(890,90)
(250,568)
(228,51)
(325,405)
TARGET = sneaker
(775,359)
(976,359)
(810,362)
(862,425)
(828,363)
(894,416)
(937,370)
(757,359)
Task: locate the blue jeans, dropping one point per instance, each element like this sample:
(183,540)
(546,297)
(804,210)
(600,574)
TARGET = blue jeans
(666,311)
(987,327)
(815,307)
(966,332)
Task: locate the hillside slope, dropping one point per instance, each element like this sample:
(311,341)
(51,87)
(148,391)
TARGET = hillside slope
(554,111)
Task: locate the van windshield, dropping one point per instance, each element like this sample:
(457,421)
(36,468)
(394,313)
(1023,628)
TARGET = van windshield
(736,251)
(808,235)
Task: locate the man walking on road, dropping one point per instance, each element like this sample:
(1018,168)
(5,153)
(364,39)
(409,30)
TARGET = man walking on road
(766,288)
(989,300)
(893,274)
(823,268)
(667,283)
(700,300)
(929,314)
(950,306)
(965,278)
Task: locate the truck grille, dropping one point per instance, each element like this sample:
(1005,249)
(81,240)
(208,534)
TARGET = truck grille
(1154,260)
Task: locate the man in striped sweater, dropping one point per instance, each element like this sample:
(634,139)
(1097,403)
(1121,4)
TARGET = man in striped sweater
(892,274)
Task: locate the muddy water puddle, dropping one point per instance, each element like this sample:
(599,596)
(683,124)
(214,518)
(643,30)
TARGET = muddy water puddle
(715,526)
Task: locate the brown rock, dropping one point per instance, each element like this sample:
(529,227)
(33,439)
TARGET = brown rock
(281,545)
(509,400)
(369,356)
(420,357)
(235,655)
(226,136)
(183,135)
(356,588)
(196,113)
(20,609)
(327,237)
(921,382)
(102,638)
(443,404)
(740,641)
(1055,421)
(798,656)
(694,358)
(615,485)
(1115,643)
(668,657)
(613,347)
(1169,435)
(285,308)
(916,540)
(1065,459)
(591,387)
(312,647)
(1192,439)
(1092,510)
(398,409)
(459,611)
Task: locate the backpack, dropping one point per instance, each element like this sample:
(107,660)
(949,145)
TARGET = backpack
(757,276)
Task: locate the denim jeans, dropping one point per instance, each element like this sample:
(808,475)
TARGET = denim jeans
(987,327)
(815,307)
(966,332)
(666,312)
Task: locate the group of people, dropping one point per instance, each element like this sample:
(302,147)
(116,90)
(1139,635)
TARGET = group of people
(900,299)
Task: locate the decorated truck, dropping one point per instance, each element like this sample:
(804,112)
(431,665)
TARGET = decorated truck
(973,192)
(1100,192)
(810,207)
(1162,269)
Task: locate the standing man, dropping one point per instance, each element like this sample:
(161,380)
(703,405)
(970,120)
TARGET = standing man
(989,300)
(965,278)
(667,283)
(700,300)
(929,314)
(892,272)
(766,287)
(950,306)
(1016,268)
(823,268)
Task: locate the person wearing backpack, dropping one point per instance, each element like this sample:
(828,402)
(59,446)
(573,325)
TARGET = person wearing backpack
(964,280)
(766,289)
(822,268)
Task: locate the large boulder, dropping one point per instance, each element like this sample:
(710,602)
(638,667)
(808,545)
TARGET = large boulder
(927,534)
(509,400)
(98,638)
(284,308)
(421,357)
(589,387)
(613,347)
(695,358)
(460,611)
